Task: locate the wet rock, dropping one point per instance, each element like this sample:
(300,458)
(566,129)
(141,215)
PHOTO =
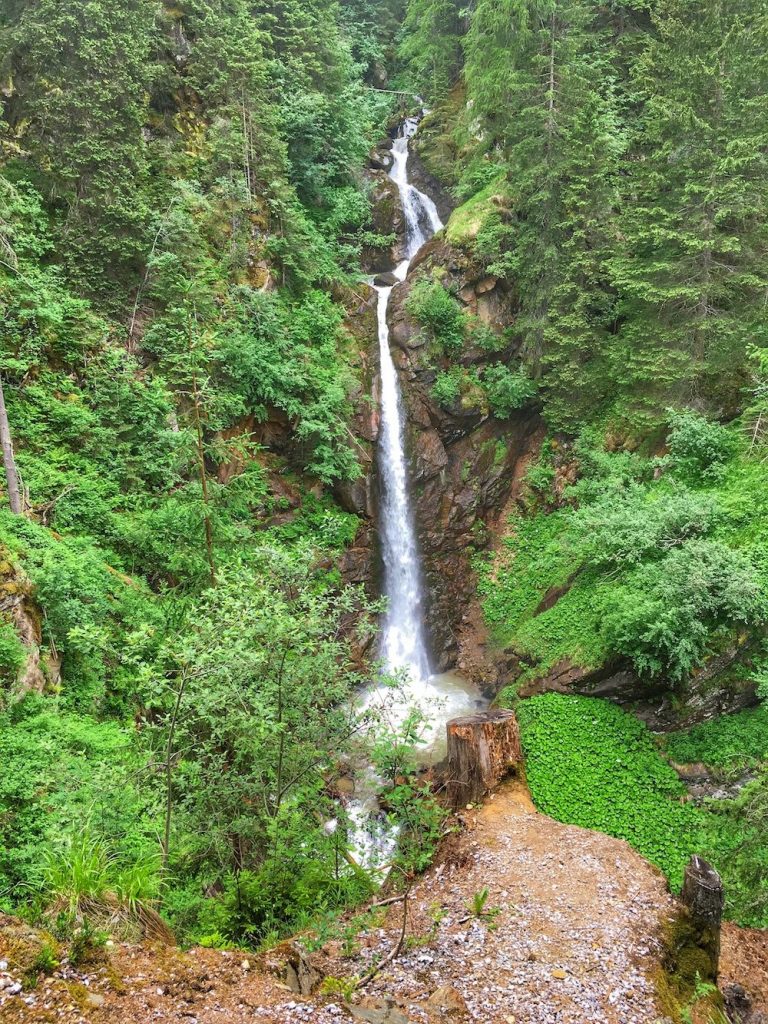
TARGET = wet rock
(380,159)
(386,280)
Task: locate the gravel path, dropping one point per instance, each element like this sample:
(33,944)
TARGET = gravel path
(570,935)
(573,936)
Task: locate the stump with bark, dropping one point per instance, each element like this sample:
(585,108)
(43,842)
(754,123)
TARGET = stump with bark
(704,899)
(482,749)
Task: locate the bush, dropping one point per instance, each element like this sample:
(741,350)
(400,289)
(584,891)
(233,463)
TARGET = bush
(434,308)
(666,612)
(697,447)
(447,386)
(622,529)
(506,389)
(13,654)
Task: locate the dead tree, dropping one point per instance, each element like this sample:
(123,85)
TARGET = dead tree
(11,473)
(482,748)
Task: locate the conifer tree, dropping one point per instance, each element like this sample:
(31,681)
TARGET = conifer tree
(431,45)
(691,272)
(536,72)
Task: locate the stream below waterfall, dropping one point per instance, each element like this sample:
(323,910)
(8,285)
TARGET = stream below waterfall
(404,650)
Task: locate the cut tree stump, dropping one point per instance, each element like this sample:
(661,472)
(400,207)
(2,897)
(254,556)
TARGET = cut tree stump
(482,748)
(704,899)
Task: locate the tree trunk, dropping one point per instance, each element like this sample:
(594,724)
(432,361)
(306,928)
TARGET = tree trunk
(11,474)
(704,898)
(481,750)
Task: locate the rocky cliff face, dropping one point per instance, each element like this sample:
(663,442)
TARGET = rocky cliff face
(466,463)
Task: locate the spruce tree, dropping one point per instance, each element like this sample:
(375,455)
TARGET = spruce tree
(536,75)
(694,229)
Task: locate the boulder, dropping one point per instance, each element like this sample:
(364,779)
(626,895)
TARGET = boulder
(447,1001)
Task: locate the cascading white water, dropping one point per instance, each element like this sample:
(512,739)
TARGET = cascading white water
(403,645)
(404,652)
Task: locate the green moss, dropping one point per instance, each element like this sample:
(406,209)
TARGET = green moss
(469,219)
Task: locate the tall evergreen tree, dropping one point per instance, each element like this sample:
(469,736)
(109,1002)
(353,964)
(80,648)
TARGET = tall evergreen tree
(691,272)
(80,121)
(536,73)
(431,45)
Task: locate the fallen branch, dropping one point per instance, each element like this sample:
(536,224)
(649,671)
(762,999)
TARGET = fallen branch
(386,903)
(379,967)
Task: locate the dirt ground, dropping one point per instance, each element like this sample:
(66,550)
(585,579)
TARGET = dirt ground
(568,934)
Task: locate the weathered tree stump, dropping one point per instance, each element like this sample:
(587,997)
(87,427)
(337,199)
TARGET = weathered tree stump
(481,750)
(704,898)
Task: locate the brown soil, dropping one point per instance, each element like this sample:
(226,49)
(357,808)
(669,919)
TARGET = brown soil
(570,934)
(744,961)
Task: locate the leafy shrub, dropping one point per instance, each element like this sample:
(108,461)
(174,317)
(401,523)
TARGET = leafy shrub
(665,612)
(589,763)
(506,389)
(447,386)
(622,529)
(61,769)
(697,446)
(13,654)
(434,308)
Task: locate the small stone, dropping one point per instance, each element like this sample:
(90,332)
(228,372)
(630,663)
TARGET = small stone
(560,974)
(246,965)
(3,965)
(14,989)
(94,1000)
(447,1000)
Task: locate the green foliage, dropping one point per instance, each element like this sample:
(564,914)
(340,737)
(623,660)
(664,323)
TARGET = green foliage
(13,654)
(698,448)
(436,310)
(431,45)
(638,260)
(588,763)
(506,389)
(647,569)
(248,708)
(447,387)
(732,743)
(60,772)
(665,614)
(734,839)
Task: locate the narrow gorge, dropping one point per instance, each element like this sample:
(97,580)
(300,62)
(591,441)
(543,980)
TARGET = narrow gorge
(383,517)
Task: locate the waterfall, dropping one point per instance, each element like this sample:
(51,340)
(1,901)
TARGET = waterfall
(403,647)
(404,651)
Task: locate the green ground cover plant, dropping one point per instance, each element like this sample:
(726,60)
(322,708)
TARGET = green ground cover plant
(732,743)
(589,763)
